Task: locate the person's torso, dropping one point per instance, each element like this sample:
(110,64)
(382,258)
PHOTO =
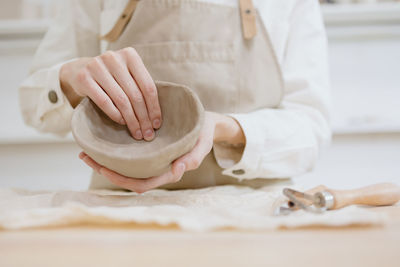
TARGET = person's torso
(201,45)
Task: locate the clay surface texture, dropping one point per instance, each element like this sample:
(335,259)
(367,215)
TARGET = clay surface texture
(112,146)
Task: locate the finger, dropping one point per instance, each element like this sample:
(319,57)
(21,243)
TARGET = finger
(90,162)
(99,97)
(139,106)
(103,77)
(122,75)
(133,184)
(146,86)
(82,154)
(143,185)
(194,158)
(115,178)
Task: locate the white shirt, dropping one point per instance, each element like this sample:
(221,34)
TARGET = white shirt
(280,143)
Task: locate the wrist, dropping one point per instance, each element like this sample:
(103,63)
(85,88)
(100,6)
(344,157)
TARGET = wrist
(66,75)
(228,130)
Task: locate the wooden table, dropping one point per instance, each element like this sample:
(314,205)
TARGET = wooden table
(154,246)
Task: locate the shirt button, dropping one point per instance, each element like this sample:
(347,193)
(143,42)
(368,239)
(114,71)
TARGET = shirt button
(238,172)
(53,96)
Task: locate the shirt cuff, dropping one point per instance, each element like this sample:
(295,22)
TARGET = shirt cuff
(241,162)
(52,97)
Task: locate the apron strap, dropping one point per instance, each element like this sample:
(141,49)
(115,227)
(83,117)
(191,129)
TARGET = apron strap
(248,15)
(123,20)
(247,12)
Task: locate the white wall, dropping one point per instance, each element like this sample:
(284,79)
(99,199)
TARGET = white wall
(42,166)
(365,62)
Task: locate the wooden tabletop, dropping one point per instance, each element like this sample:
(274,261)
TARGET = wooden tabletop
(129,245)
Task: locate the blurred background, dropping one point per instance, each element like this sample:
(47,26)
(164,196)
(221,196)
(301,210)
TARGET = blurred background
(364,38)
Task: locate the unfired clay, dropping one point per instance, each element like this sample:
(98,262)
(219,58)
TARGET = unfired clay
(112,146)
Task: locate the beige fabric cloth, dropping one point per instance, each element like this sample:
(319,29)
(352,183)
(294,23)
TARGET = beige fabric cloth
(199,210)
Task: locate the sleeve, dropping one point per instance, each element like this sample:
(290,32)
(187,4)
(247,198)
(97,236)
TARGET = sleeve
(286,141)
(72,34)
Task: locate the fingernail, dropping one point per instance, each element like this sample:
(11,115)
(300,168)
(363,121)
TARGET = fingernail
(156,124)
(138,134)
(148,134)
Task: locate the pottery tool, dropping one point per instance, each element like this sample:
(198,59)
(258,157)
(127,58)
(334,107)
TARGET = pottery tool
(322,198)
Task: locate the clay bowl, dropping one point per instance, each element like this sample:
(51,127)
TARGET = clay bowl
(112,146)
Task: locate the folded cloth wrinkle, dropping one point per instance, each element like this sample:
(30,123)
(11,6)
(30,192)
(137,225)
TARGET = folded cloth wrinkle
(211,208)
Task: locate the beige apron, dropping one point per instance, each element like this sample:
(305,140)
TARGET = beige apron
(201,45)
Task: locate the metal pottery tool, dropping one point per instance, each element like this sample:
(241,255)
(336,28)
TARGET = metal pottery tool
(321,198)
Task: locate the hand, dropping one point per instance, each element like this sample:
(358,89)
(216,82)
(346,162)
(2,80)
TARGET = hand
(216,127)
(120,85)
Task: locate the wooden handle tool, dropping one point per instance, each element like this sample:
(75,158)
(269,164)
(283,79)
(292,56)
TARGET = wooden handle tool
(322,198)
(383,194)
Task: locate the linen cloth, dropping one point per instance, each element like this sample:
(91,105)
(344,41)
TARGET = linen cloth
(205,209)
